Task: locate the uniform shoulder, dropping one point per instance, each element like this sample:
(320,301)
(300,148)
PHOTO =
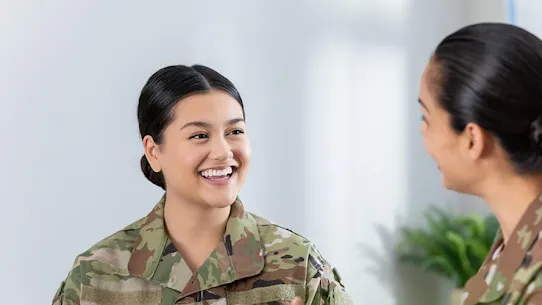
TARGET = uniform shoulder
(271,231)
(109,255)
(122,238)
(275,236)
(115,247)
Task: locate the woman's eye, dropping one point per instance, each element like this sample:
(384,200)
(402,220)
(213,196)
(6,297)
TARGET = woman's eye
(199,136)
(237,131)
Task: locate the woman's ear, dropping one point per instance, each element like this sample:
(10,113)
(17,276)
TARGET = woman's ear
(152,153)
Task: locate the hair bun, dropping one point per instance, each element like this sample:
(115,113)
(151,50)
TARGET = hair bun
(150,174)
(536,132)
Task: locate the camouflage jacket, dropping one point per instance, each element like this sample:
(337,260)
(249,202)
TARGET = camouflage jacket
(257,263)
(512,274)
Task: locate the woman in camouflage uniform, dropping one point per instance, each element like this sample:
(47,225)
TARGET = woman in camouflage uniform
(198,245)
(481,99)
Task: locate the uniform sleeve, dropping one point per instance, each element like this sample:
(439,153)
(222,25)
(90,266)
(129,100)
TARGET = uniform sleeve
(324,286)
(69,291)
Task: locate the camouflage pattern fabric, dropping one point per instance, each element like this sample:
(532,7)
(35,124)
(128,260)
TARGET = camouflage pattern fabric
(511,274)
(257,263)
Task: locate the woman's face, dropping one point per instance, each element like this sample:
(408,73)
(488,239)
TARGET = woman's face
(456,154)
(205,152)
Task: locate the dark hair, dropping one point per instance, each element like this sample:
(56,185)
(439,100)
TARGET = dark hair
(164,89)
(491,74)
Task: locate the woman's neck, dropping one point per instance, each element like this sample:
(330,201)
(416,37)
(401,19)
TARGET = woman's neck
(191,223)
(509,198)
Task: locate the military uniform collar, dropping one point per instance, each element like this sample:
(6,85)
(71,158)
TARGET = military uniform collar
(494,277)
(238,256)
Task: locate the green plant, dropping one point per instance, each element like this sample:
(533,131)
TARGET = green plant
(454,246)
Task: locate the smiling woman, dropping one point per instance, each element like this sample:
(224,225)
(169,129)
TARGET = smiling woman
(194,142)
(198,245)
(481,100)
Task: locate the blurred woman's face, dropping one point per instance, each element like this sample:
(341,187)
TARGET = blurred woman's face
(448,148)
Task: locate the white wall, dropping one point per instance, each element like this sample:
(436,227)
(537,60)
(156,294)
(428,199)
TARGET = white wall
(330,90)
(526,13)
(367,172)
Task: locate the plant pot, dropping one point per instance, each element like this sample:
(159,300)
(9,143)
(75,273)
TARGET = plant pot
(456,296)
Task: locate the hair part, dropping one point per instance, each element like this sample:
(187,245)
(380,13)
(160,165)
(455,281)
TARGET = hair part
(159,96)
(490,74)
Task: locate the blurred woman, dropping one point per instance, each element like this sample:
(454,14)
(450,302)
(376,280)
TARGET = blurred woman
(481,104)
(198,245)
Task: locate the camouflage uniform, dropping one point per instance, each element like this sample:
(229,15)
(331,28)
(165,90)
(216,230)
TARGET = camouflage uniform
(512,274)
(257,263)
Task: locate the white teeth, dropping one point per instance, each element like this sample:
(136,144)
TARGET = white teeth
(217,173)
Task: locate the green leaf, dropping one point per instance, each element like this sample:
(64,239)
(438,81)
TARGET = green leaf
(461,248)
(439,265)
(478,249)
(454,246)
(474,224)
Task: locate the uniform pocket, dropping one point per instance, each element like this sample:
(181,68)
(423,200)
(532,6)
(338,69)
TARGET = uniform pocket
(93,296)
(276,295)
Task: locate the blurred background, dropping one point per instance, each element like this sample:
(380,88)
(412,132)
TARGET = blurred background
(330,89)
